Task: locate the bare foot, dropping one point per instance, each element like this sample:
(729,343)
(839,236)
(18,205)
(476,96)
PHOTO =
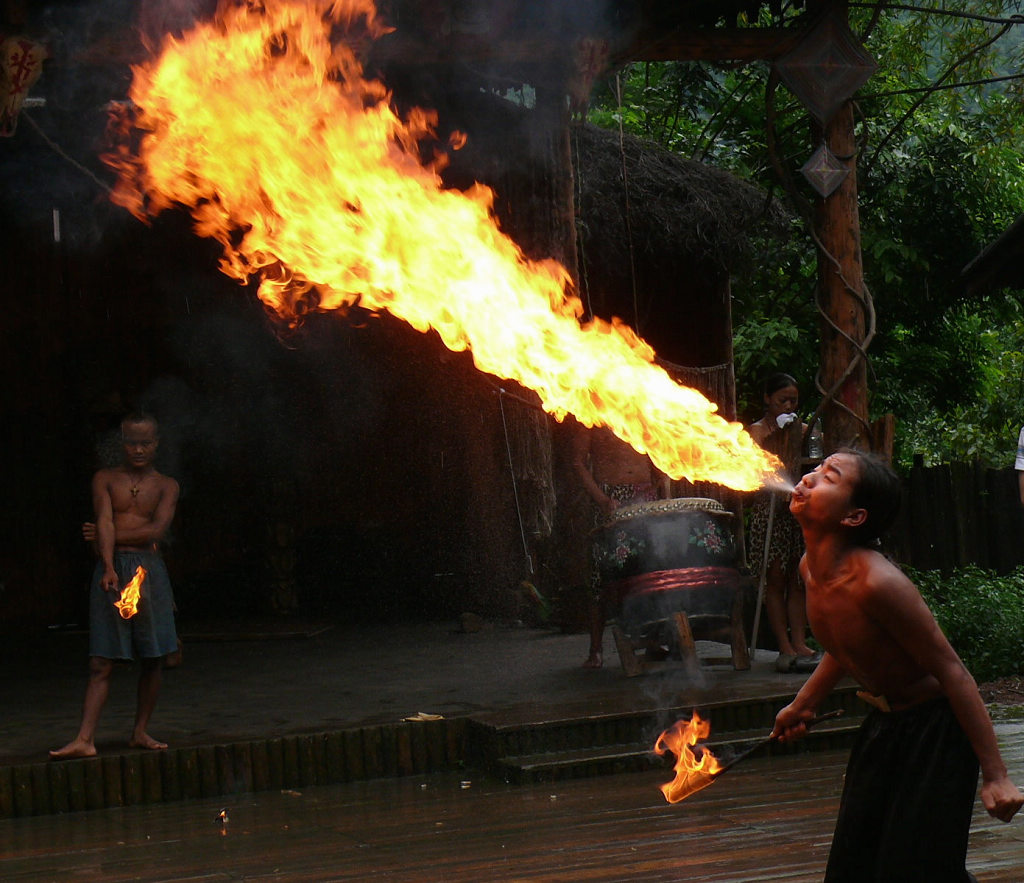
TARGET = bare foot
(74,748)
(594,660)
(146,741)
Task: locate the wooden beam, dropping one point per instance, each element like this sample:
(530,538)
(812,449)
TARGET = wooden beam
(708,44)
(683,44)
(411,50)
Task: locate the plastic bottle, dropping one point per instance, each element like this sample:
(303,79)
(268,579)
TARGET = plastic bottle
(816,442)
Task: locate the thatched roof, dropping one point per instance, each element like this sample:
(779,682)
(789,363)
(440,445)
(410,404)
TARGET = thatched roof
(673,204)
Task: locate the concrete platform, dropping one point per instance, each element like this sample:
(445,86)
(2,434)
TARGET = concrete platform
(262,704)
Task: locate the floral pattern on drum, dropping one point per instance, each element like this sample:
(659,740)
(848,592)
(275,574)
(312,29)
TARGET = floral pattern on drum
(615,557)
(711,538)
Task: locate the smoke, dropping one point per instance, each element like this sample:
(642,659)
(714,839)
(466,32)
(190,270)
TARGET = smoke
(513,49)
(160,18)
(52,162)
(233,391)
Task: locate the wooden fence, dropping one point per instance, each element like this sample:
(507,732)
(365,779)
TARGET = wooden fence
(958,514)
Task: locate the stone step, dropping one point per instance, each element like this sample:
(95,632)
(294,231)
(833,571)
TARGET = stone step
(635,757)
(284,762)
(495,738)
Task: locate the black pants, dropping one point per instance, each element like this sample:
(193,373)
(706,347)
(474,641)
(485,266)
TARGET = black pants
(907,801)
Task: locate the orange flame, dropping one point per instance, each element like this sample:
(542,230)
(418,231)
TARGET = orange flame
(304,173)
(692,773)
(128,606)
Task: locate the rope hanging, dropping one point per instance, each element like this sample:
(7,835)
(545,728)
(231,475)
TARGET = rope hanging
(515,485)
(56,148)
(581,251)
(626,208)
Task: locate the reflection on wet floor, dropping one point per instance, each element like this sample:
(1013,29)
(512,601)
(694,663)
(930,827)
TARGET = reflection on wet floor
(770,821)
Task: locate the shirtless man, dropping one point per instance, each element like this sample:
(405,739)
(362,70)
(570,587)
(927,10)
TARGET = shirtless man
(134,506)
(913,772)
(614,475)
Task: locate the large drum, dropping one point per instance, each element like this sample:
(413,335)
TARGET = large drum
(661,557)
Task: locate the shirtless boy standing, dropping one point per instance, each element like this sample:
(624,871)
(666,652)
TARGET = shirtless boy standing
(134,506)
(913,772)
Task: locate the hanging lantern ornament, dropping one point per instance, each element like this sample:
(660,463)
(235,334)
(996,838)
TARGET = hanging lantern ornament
(824,171)
(827,67)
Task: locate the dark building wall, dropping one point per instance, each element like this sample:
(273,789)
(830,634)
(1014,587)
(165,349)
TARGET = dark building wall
(351,467)
(367,450)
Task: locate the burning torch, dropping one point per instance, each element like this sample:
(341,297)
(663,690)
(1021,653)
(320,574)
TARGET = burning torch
(128,605)
(696,767)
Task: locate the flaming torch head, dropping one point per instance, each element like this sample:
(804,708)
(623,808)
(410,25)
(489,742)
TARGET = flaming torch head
(692,772)
(128,605)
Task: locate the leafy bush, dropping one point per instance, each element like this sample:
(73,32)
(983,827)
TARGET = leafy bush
(953,406)
(982,615)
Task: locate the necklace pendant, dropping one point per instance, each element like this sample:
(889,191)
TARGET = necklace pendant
(134,490)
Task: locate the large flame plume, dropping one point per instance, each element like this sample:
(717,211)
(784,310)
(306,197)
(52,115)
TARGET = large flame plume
(693,771)
(262,123)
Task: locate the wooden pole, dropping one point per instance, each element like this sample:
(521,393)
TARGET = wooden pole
(841,298)
(842,295)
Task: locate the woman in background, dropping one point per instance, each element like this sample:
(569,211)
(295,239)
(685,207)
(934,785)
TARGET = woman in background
(784,595)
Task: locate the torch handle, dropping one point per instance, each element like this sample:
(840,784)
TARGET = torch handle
(827,716)
(817,719)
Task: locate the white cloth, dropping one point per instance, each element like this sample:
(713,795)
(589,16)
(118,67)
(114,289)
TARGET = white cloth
(1018,463)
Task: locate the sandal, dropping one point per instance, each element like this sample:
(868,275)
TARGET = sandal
(785,663)
(806,663)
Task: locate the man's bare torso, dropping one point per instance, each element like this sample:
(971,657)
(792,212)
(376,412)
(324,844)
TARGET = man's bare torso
(134,500)
(870,651)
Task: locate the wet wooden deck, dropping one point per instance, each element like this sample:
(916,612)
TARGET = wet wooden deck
(770,819)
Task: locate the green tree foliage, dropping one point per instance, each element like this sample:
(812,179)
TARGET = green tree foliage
(940,175)
(982,615)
